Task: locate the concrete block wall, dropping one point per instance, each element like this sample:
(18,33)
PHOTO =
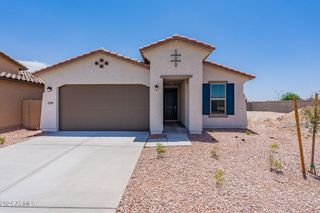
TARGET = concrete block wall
(277,106)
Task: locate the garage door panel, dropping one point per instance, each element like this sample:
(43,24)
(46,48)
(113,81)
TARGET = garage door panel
(104,107)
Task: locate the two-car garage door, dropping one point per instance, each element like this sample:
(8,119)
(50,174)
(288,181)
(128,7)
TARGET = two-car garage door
(104,107)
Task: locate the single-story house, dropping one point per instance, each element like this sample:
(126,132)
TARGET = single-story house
(103,90)
(16,84)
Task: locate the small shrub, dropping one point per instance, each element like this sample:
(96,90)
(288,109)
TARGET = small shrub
(2,139)
(275,164)
(274,147)
(248,132)
(278,165)
(311,118)
(219,177)
(271,160)
(161,150)
(214,151)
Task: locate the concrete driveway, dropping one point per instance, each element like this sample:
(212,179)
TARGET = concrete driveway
(68,171)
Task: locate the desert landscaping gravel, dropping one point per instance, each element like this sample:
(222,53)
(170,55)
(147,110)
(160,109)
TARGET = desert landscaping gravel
(16,135)
(183,180)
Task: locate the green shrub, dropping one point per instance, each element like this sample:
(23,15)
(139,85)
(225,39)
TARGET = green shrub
(248,132)
(161,150)
(2,139)
(214,151)
(278,165)
(219,177)
(288,96)
(274,147)
(275,164)
(311,118)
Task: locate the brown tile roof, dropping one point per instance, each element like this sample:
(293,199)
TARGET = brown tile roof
(135,61)
(101,50)
(21,66)
(177,37)
(230,69)
(22,76)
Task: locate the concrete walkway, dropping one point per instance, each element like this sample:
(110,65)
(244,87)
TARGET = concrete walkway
(69,171)
(172,139)
(177,135)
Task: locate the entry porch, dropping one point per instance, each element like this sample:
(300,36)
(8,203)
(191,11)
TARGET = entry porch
(174,101)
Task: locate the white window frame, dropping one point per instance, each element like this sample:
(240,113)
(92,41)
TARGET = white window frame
(219,99)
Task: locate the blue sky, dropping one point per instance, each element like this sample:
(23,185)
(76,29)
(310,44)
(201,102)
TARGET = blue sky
(276,40)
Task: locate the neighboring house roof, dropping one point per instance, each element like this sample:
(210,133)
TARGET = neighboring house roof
(178,37)
(101,50)
(21,66)
(230,69)
(22,76)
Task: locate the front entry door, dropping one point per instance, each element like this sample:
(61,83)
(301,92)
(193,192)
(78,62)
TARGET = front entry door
(170,104)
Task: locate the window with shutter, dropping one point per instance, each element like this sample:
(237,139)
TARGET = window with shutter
(218,99)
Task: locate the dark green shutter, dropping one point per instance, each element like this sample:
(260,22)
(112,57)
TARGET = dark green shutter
(206,99)
(230,99)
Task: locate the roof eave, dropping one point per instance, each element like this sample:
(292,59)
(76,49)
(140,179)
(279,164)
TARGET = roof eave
(173,38)
(249,76)
(100,50)
(23,76)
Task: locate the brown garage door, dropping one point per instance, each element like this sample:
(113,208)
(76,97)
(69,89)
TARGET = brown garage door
(104,107)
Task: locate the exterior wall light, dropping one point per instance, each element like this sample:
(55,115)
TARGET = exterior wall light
(156,87)
(49,89)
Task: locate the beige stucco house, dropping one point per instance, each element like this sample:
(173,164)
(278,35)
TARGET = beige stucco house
(16,85)
(102,90)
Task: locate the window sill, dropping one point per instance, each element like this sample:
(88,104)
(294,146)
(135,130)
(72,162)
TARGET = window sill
(218,116)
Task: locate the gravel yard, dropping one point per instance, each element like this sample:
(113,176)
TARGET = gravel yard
(16,135)
(183,180)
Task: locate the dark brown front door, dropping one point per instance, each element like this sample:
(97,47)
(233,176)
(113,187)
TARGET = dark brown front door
(170,104)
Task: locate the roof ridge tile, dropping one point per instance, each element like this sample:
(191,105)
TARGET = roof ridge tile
(177,37)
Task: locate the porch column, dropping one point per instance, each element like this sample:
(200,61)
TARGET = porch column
(195,105)
(156,106)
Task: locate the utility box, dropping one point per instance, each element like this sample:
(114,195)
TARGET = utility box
(31,113)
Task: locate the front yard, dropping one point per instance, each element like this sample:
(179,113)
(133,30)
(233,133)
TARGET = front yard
(16,135)
(183,180)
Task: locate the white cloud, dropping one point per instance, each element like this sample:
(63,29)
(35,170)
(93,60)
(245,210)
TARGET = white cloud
(33,65)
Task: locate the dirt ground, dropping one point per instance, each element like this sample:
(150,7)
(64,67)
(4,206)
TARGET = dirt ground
(183,180)
(16,135)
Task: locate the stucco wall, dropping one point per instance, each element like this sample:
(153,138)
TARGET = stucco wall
(183,118)
(86,72)
(122,72)
(239,120)
(191,64)
(7,66)
(182,98)
(12,94)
